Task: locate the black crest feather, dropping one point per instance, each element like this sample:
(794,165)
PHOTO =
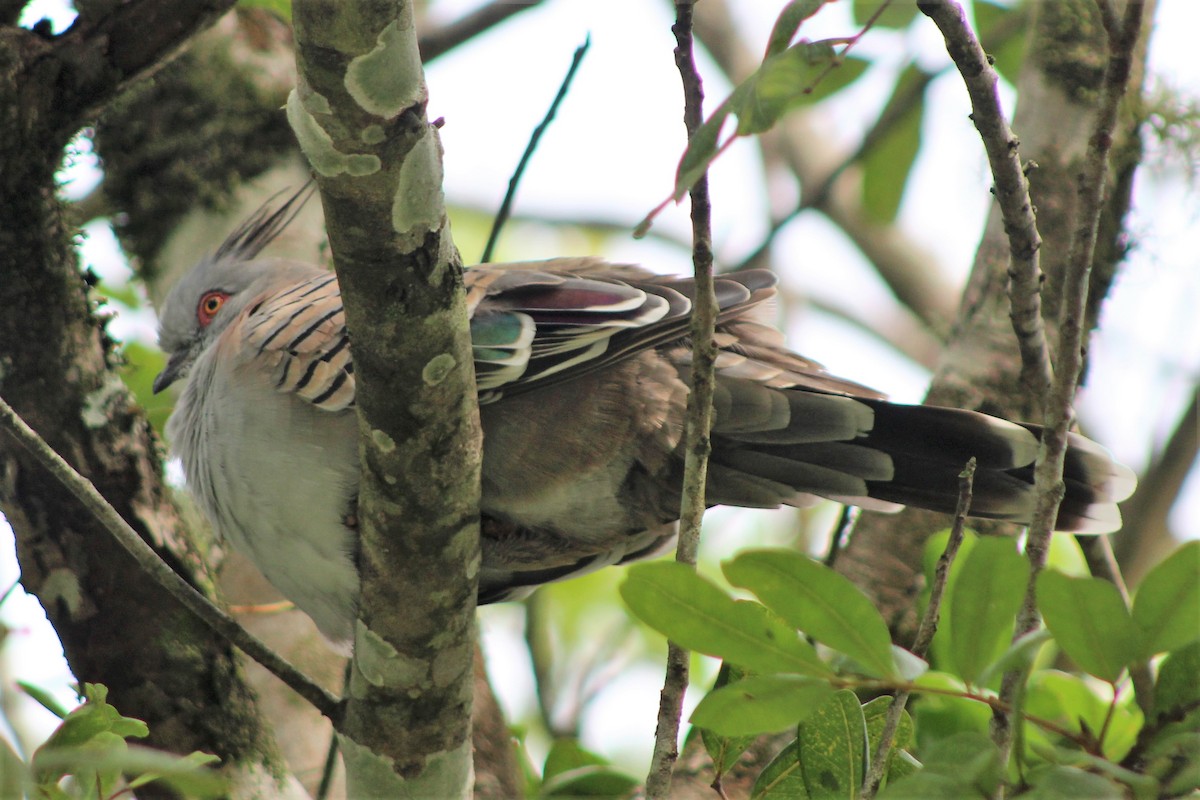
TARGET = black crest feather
(261,227)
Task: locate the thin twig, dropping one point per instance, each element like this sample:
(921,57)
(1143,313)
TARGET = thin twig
(438,42)
(699,411)
(841,531)
(1011,190)
(515,180)
(1052,453)
(928,627)
(157,569)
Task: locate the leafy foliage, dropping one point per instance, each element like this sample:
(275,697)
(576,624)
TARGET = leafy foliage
(88,755)
(1079,737)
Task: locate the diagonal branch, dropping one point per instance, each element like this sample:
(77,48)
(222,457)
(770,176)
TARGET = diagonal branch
(1011,190)
(438,42)
(157,569)
(101,55)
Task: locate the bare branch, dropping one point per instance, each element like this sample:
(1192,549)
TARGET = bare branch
(506,205)
(1059,413)
(699,411)
(929,623)
(1011,190)
(438,42)
(157,569)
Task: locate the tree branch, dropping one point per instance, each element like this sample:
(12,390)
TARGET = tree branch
(433,44)
(1010,188)
(1059,413)
(157,569)
(101,56)
(697,445)
(928,627)
(506,205)
(359,114)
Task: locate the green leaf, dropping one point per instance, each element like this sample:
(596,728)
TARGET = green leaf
(845,72)
(760,704)
(566,755)
(958,766)
(1144,787)
(694,613)
(923,786)
(984,604)
(889,161)
(141,365)
(818,601)
(1177,687)
(589,781)
(781,83)
(1019,655)
(1071,702)
(901,764)
(788,22)
(724,750)
(875,713)
(1067,556)
(782,779)
(13,771)
(106,758)
(971,759)
(898,15)
(832,745)
(1089,621)
(1175,760)
(280,8)
(1066,783)
(44,698)
(702,147)
(93,721)
(939,716)
(1167,607)
(800,75)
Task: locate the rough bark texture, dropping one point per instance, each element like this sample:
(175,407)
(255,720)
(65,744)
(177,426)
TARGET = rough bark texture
(59,370)
(979,368)
(359,114)
(186,157)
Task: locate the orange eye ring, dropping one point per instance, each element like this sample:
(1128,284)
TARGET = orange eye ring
(209,305)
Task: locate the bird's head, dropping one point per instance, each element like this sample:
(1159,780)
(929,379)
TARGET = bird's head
(205,300)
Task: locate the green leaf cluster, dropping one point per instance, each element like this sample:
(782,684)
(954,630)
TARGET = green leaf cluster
(88,755)
(1080,734)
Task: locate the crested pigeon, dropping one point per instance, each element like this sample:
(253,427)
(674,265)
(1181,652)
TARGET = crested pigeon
(583,371)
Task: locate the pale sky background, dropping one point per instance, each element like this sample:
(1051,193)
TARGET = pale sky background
(612,154)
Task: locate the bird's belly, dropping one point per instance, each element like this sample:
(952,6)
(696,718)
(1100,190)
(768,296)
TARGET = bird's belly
(278,484)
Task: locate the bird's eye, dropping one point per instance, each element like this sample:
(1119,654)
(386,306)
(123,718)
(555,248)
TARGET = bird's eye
(210,304)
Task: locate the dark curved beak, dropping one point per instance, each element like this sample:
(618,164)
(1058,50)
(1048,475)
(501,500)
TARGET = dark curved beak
(173,371)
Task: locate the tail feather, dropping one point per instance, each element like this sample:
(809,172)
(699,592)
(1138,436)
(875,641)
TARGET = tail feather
(872,453)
